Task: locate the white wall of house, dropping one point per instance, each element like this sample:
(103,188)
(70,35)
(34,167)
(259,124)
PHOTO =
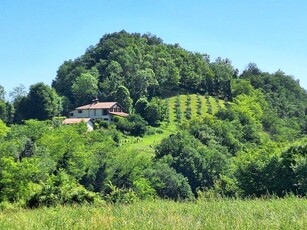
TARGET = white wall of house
(91,113)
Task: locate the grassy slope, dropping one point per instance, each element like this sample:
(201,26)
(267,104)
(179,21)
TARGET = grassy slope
(289,213)
(147,143)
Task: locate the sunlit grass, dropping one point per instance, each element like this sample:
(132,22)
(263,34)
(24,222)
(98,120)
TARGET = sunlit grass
(194,105)
(289,213)
(204,105)
(172,114)
(183,99)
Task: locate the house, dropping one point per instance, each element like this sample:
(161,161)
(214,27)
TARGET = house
(98,110)
(88,121)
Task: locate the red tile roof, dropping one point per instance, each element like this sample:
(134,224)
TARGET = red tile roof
(98,105)
(121,114)
(69,121)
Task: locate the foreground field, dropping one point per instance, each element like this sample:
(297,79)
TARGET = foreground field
(290,213)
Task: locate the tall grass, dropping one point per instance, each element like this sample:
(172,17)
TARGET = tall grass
(289,213)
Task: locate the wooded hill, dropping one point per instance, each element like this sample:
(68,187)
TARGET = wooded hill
(196,127)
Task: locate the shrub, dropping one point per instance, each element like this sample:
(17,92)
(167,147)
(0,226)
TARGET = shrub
(134,124)
(177,109)
(199,106)
(62,189)
(168,183)
(188,111)
(155,112)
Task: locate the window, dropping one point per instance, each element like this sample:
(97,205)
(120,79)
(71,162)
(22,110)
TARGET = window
(104,112)
(111,109)
(71,114)
(79,110)
(105,119)
(119,110)
(115,109)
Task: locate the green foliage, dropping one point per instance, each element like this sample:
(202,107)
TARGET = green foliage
(208,104)
(16,179)
(126,180)
(256,174)
(84,88)
(41,103)
(122,96)
(145,68)
(18,93)
(140,106)
(167,111)
(293,169)
(199,105)
(59,190)
(168,183)
(2,93)
(223,74)
(134,125)
(282,92)
(241,86)
(3,111)
(177,109)
(282,172)
(201,165)
(188,111)
(3,129)
(155,112)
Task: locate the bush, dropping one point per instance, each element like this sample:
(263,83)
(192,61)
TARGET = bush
(168,183)
(177,109)
(134,125)
(199,106)
(121,195)
(104,124)
(155,112)
(62,189)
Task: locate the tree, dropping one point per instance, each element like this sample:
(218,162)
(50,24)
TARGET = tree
(41,103)
(155,112)
(122,96)
(168,183)
(134,124)
(223,73)
(18,93)
(3,105)
(85,88)
(141,81)
(201,165)
(2,93)
(3,111)
(251,69)
(66,76)
(241,86)
(140,106)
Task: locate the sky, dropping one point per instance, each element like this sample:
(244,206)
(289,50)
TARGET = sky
(36,36)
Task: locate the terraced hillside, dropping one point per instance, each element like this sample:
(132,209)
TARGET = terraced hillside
(185,107)
(181,108)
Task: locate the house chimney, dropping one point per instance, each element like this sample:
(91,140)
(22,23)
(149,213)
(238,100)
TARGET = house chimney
(95,100)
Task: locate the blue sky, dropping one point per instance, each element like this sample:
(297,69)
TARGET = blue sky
(36,36)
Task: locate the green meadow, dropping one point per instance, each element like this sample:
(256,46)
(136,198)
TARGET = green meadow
(288,213)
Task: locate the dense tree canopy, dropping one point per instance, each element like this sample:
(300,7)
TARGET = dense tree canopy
(41,103)
(147,67)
